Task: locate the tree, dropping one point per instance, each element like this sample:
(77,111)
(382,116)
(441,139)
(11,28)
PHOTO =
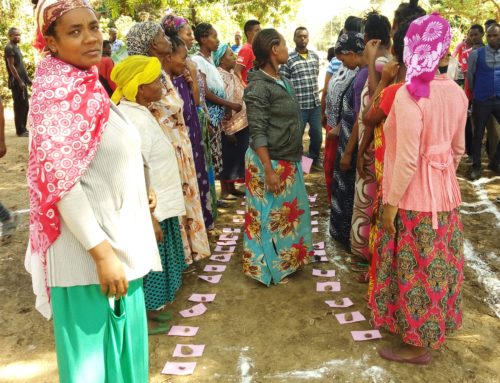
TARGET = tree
(467,11)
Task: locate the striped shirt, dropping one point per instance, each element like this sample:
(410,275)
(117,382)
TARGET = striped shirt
(303,73)
(333,66)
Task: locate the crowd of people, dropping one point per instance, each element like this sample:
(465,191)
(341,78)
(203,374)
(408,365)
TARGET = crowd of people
(125,154)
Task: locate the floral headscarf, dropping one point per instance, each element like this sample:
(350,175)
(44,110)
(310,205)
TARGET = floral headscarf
(140,37)
(427,41)
(172,23)
(350,42)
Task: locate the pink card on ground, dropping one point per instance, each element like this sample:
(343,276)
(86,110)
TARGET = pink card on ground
(231,230)
(183,331)
(178,368)
(360,336)
(324,259)
(227,249)
(314,223)
(194,311)
(315,230)
(320,252)
(214,268)
(240,212)
(353,317)
(228,237)
(211,278)
(328,286)
(314,212)
(220,257)
(238,220)
(319,245)
(226,243)
(323,273)
(202,298)
(306,164)
(188,350)
(340,303)
(243,203)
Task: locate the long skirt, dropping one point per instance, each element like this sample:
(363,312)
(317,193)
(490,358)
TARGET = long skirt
(96,342)
(216,148)
(233,156)
(277,239)
(417,290)
(208,158)
(331,145)
(365,197)
(160,287)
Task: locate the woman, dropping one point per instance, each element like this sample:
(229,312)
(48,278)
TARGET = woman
(206,36)
(187,87)
(349,50)
(277,240)
(91,236)
(420,271)
(148,39)
(236,133)
(139,85)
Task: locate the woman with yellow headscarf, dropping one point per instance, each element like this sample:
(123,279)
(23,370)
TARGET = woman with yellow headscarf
(138,85)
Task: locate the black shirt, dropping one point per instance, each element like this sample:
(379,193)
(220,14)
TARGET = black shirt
(12,50)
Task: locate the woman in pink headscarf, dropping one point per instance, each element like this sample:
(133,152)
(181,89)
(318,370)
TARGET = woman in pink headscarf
(417,290)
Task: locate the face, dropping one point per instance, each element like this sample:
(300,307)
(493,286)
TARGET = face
(348,59)
(237,39)
(475,36)
(281,51)
(301,39)
(78,39)
(211,41)
(186,35)
(15,36)
(177,61)
(151,92)
(106,50)
(112,35)
(253,31)
(229,60)
(161,44)
(493,37)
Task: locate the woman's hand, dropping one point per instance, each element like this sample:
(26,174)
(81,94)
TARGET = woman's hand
(371,50)
(346,161)
(152,200)
(187,76)
(236,107)
(112,276)
(157,229)
(272,181)
(388,218)
(390,72)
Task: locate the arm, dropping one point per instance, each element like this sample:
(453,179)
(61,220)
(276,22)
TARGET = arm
(12,69)
(371,51)
(458,141)
(471,69)
(328,76)
(195,88)
(237,71)
(3,147)
(346,160)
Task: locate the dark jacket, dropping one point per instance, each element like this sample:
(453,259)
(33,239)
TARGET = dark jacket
(273,117)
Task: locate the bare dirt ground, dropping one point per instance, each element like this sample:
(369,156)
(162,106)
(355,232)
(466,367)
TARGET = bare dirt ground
(285,333)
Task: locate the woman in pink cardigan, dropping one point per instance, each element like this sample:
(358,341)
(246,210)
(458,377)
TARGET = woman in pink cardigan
(420,271)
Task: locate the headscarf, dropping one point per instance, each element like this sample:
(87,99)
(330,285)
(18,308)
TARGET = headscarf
(48,11)
(173,23)
(350,42)
(427,41)
(140,37)
(132,72)
(219,53)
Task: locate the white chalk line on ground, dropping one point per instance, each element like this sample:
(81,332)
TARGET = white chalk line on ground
(483,200)
(245,364)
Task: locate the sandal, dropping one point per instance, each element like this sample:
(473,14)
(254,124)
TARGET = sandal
(388,353)
(284,281)
(163,317)
(237,193)
(190,269)
(161,328)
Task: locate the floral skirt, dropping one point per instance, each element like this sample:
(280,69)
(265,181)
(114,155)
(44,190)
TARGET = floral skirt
(212,202)
(419,274)
(277,239)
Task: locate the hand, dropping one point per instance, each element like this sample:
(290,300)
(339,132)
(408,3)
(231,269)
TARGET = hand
(324,121)
(152,200)
(388,218)
(272,181)
(360,165)
(330,135)
(112,276)
(187,76)
(22,85)
(231,138)
(236,107)
(157,229)
(371,50)
(345,161)
(390,72)
(3,149)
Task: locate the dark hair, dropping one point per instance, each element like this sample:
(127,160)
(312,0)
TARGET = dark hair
(262,45)
(406,10)
(378,27)
(353,24)
(202,30)
(399,37)
(106,43)
(299,29)
(488,23)
(477,27)
(249,25)
(177,42)
(11,31)
(331,54)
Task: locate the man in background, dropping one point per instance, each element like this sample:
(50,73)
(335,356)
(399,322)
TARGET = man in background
(237,43)
(245,59)
(116,44)
(18,81)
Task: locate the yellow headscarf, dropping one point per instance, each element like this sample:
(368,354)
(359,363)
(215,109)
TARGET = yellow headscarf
(132,72)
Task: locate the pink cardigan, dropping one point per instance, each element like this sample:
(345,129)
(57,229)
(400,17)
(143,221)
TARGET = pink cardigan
(424,143)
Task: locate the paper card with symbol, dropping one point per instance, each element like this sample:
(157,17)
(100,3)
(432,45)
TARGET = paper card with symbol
(194,311)
(315,230)
(320,252)
(226,243)
(360,336)
(314,223)
(214,268)
(323,259)
(178,368)
(202,298)
(188,350)
(211,278)
(220,257)
(353,317)
(240,212)
(340,303)
(319,245)
(228,237)
(328,286)
(323,273)
(238,220)
(312,198)
(314,212)
(231,230)
(224,249)
(306,164)
(183,331)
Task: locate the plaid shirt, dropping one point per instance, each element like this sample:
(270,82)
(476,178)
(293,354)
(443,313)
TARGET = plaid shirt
(303,73)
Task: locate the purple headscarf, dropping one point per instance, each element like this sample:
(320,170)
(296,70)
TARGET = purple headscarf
(427,41)
(172,23)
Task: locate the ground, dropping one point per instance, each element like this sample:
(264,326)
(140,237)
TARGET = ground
(284,333)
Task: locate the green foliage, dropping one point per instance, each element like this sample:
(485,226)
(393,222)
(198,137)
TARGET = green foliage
(466,12)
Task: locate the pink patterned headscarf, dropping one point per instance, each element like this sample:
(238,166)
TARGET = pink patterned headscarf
(427,41)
